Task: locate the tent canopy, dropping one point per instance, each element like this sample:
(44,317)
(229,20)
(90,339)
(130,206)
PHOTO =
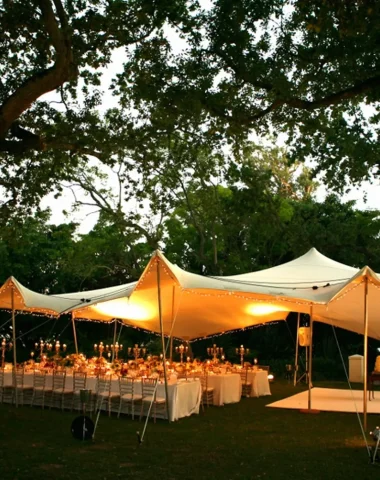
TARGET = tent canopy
(346,308)
(28,301)
(194,306)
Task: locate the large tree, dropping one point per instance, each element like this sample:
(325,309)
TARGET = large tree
(216,72)
(64,47)
(306,68)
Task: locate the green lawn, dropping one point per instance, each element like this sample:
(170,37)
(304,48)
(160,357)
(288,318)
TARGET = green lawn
(239,441)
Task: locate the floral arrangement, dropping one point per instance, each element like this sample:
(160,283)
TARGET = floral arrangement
(76,361)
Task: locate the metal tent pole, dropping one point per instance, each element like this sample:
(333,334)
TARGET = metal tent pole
(365,379)
(162,336)
(171,330)
(14,343)
(114,339)
(296,359)
(310,369)
(75,334)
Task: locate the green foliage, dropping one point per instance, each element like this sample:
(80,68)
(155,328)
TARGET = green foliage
(188,76)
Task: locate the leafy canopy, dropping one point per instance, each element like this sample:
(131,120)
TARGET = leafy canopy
(215,73)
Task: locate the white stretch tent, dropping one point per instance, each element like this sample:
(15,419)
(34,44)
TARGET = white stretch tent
(194,306)
(203,306)
(15,297)
(26,300)
(172,301)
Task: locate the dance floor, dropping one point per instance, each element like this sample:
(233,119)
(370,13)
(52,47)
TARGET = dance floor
(330,400)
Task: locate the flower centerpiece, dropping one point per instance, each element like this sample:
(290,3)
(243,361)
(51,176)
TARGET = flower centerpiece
(116,366)
(76,361)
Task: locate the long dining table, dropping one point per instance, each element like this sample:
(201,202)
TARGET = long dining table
(184,396)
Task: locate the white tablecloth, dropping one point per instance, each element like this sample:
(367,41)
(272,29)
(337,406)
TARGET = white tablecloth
(260,383)
(227,388)
(184,397)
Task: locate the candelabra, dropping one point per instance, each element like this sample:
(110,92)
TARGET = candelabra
(100,348)
(4,346)
(181,350)
(214,351)
(242,351)
(136,351)
(41,346)
(116,349)
(58,347)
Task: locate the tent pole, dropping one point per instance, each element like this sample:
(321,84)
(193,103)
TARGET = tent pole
(171,336)
(114,339)
(75,334)
(162,337)
(365,379)
(171,350)
(296,359)
(310,369)
(14,342)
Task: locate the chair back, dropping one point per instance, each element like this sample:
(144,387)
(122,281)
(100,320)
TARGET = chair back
(18,377)
(204,381)
(243,375)
(79,381)
(59,380)
(126,385)
(104,384)
(148,386)
(39,379)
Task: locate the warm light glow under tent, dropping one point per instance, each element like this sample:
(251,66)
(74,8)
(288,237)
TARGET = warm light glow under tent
(194,306)
(198,306)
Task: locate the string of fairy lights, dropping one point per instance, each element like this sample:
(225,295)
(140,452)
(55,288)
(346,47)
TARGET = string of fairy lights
(140,284)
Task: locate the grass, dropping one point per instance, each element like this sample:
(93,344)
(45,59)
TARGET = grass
(238,441)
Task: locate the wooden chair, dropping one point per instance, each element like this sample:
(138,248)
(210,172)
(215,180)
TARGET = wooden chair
(40,392)
(23,392)
(149,396)
(58,390)
(246,386)
(79,383)
(207,392)
(6,391)
(104,396)
(128,397)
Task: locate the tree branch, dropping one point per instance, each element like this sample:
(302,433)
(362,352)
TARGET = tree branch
(333,99)
(48,79)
